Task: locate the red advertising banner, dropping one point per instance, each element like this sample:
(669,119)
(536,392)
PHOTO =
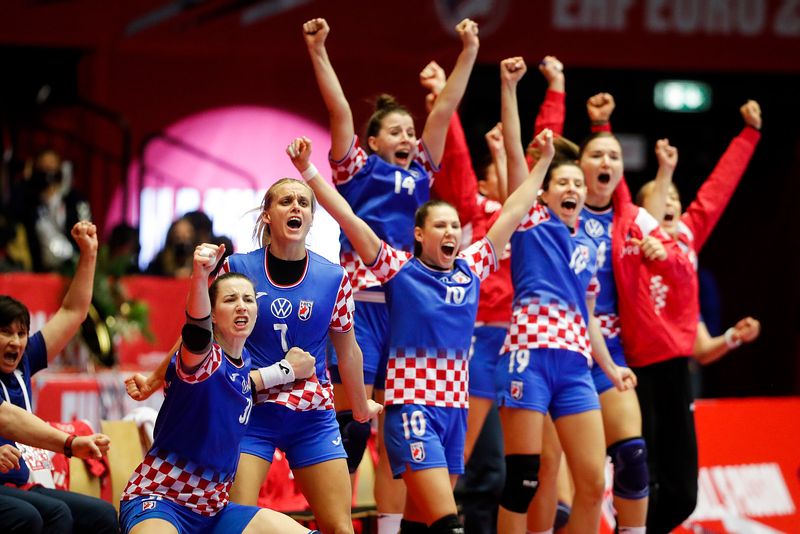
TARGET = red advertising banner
(165,297)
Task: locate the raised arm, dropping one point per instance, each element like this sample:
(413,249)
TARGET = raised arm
(708,349)
(497,151)
(552,112)
(455,182)
(197,333)
(523,186)
(366,242)
(315,31)
(65,323)
(446,103)
(656,202)
(712,198)
(511,71)
(599,107)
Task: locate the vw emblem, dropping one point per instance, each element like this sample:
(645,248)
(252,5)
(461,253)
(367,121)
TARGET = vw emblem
(281,308)
(594,227)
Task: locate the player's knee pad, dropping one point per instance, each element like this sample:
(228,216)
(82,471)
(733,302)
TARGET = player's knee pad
(631,477)
(562,515)
(522,481)
(448,524)
(354,438)
(412,527)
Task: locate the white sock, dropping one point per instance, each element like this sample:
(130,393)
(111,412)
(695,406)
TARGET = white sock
(389,523)
(548,531)
(632,530)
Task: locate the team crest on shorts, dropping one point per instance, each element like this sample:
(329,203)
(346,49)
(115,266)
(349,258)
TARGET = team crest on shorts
(149,505)
(417,451)
(304,310)
(516,389)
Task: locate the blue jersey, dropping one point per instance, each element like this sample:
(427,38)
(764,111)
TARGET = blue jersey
(298,315)
(597,225)
(432,314)
(552,269)
(16,389)
(386,197)
(195,449)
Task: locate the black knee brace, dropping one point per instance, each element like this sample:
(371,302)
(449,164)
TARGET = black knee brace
(448,524)
(562,515)
(522,481)
(631,477)
(354,438)
(412,527)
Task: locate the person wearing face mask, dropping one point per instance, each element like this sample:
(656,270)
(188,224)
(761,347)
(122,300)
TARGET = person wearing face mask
(552,339)
(175,259)
(674,334)
(384,182)
(426,389)
(183,483)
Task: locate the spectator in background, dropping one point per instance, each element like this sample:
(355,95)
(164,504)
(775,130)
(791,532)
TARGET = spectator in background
(175,258)
(49,208)
(123,249)
(204,232)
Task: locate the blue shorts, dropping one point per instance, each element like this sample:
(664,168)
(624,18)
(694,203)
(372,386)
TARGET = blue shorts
(546,380)
(233,518)
(424,437)
(486,344)
(372,335)
(306,438)
(601,381)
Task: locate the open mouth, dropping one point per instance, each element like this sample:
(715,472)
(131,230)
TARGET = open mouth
(448,249)
(10,357)
(294,222)
(241,321)
(669,217)
(402,155)
(604,178)
(569,204)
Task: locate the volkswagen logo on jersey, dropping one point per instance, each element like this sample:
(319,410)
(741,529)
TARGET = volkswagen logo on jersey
(417,451)
(281,308)
(593,227)
(516,389)
(304,310)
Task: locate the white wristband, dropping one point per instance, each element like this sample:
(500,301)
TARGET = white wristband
(276,374)
(729,340)
(310,173)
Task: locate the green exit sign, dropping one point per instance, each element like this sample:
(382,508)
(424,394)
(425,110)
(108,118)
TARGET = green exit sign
(682,96)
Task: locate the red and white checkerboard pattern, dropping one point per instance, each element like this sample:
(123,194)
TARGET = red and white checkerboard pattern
(182,481)
(429,377)
(609,324)
(206,369)
(389,262)
(301,395)
(356,157)
(342,316)
(593,289)
(547,325)
(480,258)
(537,215)
(360,276)
(348,166)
